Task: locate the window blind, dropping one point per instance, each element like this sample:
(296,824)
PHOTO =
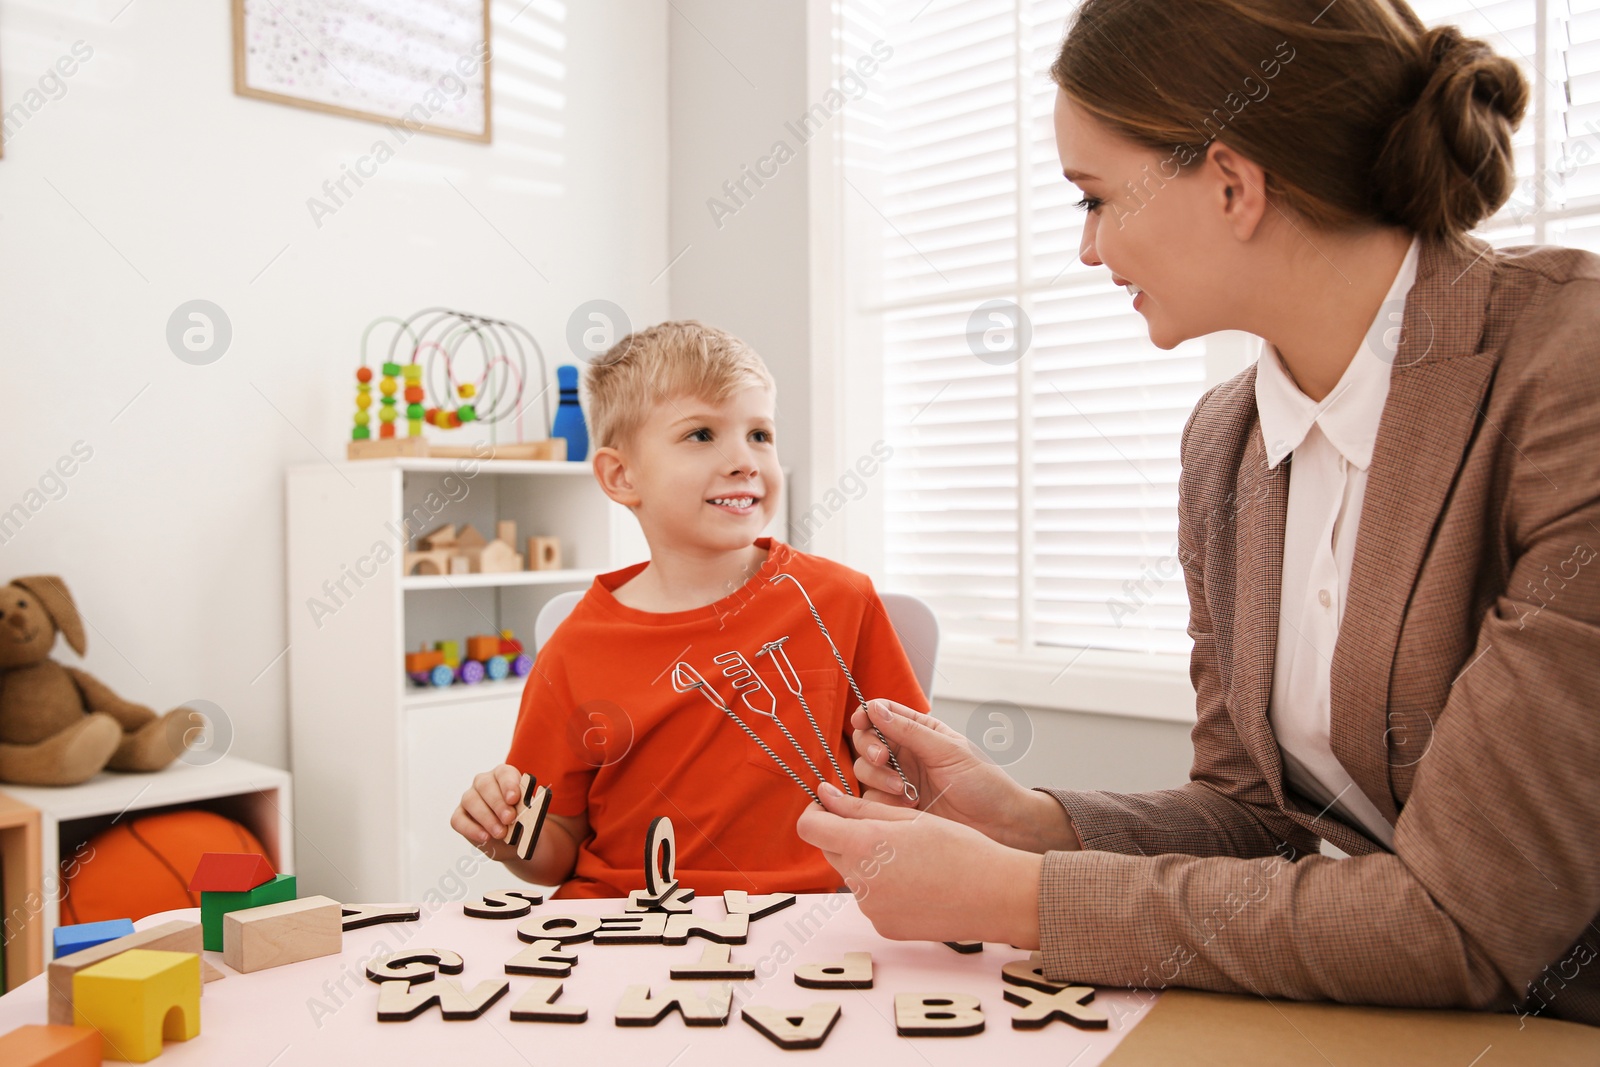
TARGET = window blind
(1033,502)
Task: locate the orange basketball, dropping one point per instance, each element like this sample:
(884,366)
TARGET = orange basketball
(141,866)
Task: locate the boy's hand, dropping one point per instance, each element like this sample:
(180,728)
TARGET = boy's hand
(488,808)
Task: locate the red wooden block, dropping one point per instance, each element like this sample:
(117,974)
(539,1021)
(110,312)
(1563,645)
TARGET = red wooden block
(230,872)
(50,1046)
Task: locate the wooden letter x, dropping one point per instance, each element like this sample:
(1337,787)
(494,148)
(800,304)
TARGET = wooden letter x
(1070,1005)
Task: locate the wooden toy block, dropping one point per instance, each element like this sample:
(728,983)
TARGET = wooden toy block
(136,998)
(699,1005)
(937,1015)
(401,1001)
(532,806)
(214,905)
(208,973)
(660,857)
(414,965)
(640,928)
(546,958)
(437,538)
(469,539)
(738,902)
(715,965)
(50,1046)
(506,530)
(65,940)
(966,947)
(173,936)
(502,904)
(854,973)
(732,930)
(356,916)
(565,929)
(436,561)
(1030,973)
(793,1029)
(496,557)
(544,554)
(272,935)
(460,565)
(680,899)
(230,872)
(538,1005)
(482,647)
(1070,1005)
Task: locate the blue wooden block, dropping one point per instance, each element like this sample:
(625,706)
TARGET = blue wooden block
(70,939)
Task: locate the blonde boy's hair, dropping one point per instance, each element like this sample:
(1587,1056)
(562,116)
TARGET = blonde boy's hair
(672,359)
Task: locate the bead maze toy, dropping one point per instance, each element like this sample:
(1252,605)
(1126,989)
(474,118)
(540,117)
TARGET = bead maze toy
(422,379)
(490,656)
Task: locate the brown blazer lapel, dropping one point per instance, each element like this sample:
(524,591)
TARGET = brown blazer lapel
(1263,502)
(1435,392)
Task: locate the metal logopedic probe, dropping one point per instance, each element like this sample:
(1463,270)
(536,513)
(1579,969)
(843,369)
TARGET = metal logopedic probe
(749,685)
(894,761)
(685,678)
(791,682)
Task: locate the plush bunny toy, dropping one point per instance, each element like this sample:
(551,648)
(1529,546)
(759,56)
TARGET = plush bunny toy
(59,725)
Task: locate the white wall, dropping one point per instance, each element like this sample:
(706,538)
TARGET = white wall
(149,183)
(737,74)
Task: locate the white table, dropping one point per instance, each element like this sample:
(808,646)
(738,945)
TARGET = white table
(298,1014)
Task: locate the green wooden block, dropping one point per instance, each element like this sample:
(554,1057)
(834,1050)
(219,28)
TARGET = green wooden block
(213,906)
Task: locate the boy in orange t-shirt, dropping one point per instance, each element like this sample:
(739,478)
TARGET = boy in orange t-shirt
(683,417)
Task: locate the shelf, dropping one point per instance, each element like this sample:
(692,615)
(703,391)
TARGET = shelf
(483,581)
(419,697)
(487,466)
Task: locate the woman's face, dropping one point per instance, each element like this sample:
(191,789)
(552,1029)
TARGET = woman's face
(1162,235)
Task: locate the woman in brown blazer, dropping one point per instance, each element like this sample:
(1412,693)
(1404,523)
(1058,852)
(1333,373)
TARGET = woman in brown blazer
(1388,538)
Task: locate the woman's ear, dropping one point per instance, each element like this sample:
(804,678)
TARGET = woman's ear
(1240,189)
(611,471)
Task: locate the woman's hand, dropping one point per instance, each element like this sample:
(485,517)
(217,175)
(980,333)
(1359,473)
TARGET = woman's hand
(917,876)
(952,780)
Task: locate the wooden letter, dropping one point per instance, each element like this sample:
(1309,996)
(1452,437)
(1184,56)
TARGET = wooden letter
(538,1005)
(738,902)
(733,930)
(523,833)
(716,966)
(639,928)
(398,1001)
(542,958)
(414,965)
(937,1015)
(789,1029)
(660,857)
(356,916)
(966,947)
(254,939)
(678,899)
(1030,973)
(854,973)
(698,1005)
(563,928)
(503,904)
(1069,1005)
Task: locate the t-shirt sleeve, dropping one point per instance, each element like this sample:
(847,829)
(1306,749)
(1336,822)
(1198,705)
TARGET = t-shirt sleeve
(882,665)
(547,742)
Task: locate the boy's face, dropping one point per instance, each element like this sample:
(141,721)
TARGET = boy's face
(704,476)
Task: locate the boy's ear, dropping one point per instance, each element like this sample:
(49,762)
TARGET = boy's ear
(611,471)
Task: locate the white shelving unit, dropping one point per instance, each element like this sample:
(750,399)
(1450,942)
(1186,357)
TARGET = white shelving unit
(379,763)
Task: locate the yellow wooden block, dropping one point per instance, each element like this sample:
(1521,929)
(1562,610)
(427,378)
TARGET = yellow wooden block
(136,999)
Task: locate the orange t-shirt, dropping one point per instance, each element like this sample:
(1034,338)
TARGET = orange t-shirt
(602,727)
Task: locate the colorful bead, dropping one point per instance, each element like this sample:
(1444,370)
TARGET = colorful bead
(387,387)
(414,394)
(362,418)
(363,401)
(413,427)
(364,374)
(467,390)
(413,372)
(414,411)
(386,401)
(390,370)
(386,414)
(360,433)
(386,430)
(466,413)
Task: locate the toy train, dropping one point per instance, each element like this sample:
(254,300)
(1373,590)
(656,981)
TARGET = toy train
(488,656)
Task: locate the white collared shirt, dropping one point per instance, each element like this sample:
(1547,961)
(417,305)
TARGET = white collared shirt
(1331,441)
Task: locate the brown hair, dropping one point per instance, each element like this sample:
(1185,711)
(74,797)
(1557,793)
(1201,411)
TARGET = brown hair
(665,361)
(1364,115)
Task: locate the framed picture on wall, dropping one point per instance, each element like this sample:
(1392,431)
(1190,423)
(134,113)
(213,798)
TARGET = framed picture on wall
(423,64)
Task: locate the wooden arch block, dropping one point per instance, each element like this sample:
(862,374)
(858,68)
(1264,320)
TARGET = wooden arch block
(138,998)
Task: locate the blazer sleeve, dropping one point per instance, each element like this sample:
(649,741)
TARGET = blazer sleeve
(1489,898)
(1226,808)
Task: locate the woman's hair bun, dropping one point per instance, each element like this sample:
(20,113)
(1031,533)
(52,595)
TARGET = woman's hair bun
(1446,164)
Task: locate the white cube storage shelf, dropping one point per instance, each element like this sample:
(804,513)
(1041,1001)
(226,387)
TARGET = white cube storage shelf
(378,762)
